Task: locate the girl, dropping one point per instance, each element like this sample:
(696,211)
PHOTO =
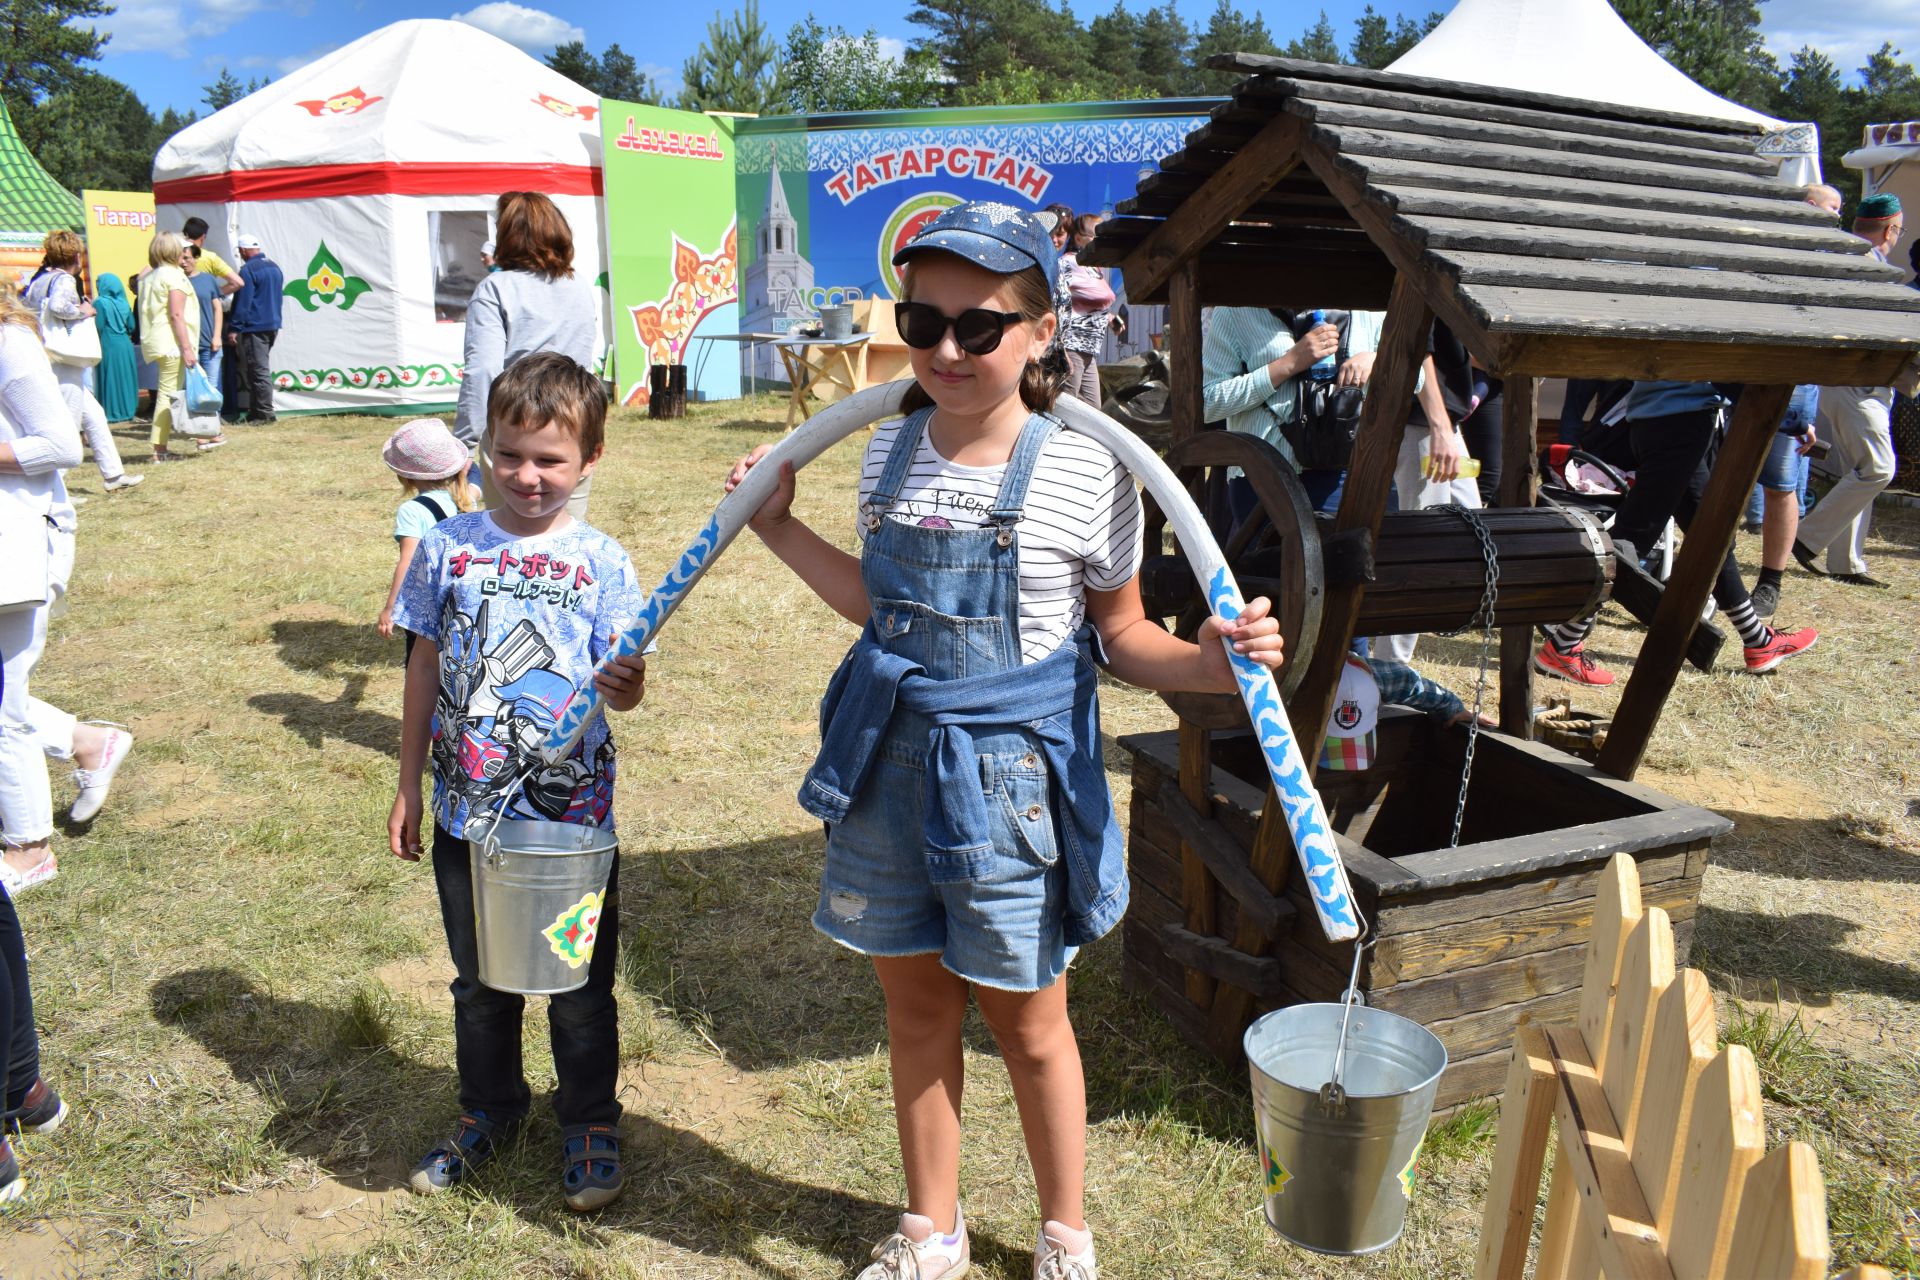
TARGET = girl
(1087,314)
(992,538)
(432,467)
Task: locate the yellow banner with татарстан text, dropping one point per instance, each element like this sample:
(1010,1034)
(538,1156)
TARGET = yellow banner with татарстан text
(120,227)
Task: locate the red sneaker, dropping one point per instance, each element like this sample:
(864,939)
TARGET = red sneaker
(1782,646)
(1575,666)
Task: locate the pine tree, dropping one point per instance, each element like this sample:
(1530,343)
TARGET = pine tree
(1317,43)
(94,133)
(978,40)
(223,92)
(1376,44)
(829,70)
(1229,31)
(577,63)
(41,51)
(737,67)
(1717,43)
(1164,56)
(622,80)
(1114,43)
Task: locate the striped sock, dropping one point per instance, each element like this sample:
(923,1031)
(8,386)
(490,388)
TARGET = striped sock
(1565,637)
(1753,632)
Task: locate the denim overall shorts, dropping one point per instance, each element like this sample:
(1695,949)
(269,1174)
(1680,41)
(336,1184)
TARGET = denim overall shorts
(949,600)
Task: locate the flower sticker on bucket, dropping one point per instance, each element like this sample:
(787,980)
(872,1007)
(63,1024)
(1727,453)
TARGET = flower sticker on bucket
(1277,1174)
(572,932)
(326,284)
(1407,1172)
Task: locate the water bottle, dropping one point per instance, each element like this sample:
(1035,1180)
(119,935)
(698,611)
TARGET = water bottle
(1326,366)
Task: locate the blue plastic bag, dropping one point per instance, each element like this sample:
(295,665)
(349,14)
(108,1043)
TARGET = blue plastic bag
(202,395)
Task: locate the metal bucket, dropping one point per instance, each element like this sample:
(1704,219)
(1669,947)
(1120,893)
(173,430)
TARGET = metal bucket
(1338,1177)
(538,888)
(836,322)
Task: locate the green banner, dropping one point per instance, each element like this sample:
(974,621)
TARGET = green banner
(672,246)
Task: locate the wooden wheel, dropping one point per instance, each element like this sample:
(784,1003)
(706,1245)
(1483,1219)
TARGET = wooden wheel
(1275,552)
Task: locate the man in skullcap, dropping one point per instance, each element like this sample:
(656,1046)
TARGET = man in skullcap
(1859,422)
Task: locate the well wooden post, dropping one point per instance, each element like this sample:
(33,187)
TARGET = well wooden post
(1198,893)
(1755,419)
(1519,487)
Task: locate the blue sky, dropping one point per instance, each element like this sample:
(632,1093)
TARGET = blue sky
(167,49)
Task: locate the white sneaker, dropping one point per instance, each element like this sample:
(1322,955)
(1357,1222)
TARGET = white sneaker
(94,783)
(18,882)
(917,1252)
(121,481)
(1063,1254)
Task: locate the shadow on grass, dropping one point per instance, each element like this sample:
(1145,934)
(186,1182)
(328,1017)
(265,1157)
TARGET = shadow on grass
(343,718)
(1805,953)
(364,1111)
(326,646)
(723,939)
(1841,847)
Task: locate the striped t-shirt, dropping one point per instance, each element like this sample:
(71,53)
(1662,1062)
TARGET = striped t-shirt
(1080,529)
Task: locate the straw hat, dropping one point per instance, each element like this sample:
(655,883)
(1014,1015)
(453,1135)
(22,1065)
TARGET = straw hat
(424,450)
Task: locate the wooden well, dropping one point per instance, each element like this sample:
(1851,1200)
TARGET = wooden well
(1469,939)
(1556,238)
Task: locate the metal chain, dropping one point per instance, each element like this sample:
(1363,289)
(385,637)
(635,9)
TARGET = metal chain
(1483,615)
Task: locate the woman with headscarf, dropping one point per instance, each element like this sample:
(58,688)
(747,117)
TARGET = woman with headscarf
(116,379)
(54,292)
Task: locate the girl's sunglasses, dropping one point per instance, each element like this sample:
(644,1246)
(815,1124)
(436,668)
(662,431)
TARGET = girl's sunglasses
(977,331)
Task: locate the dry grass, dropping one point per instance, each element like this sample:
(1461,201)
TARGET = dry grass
(243,995)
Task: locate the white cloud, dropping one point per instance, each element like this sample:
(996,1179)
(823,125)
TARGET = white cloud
(281,64)
(893,50)
(666,79)
(215,16)
(1845,33)
(145,26)
(534,30)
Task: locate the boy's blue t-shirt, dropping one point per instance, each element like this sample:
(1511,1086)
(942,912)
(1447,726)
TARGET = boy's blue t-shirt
(520,623)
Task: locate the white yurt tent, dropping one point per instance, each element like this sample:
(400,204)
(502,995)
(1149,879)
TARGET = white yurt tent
(1583,49)
(370,177)
(1888,159)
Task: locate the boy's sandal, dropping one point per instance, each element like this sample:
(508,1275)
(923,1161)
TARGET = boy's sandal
(590,1176)
(476,1140)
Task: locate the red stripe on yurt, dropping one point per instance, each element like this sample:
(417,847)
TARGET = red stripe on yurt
(406,178)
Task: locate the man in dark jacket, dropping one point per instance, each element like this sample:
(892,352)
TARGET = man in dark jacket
(254,324)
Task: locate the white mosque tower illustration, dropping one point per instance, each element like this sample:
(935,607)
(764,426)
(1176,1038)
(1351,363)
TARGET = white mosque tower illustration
(779,278)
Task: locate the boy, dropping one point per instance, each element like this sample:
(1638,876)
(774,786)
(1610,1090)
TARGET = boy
(511,609)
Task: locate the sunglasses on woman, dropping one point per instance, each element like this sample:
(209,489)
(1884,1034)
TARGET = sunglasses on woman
(976,330)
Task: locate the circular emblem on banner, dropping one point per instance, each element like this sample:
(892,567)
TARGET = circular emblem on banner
(903,225)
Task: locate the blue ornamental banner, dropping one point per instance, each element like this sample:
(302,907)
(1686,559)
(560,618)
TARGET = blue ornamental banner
(825,201)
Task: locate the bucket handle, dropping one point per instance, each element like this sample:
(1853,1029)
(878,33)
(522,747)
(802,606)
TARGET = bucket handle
(1333,1095)
(490,843)
(490,852)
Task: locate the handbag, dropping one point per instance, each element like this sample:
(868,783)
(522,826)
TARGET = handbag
(74,342)
(198,426)
(203,396)
(26,563)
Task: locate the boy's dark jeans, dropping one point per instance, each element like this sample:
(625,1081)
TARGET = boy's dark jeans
(582,1024)
(19,1046)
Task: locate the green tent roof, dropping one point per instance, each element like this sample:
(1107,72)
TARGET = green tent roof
(31,202)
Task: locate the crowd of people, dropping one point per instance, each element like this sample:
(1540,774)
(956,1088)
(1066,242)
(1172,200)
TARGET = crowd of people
(1297,378)
(972,845)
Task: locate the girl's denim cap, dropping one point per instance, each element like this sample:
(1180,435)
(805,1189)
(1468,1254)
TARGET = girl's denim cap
(989,234)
